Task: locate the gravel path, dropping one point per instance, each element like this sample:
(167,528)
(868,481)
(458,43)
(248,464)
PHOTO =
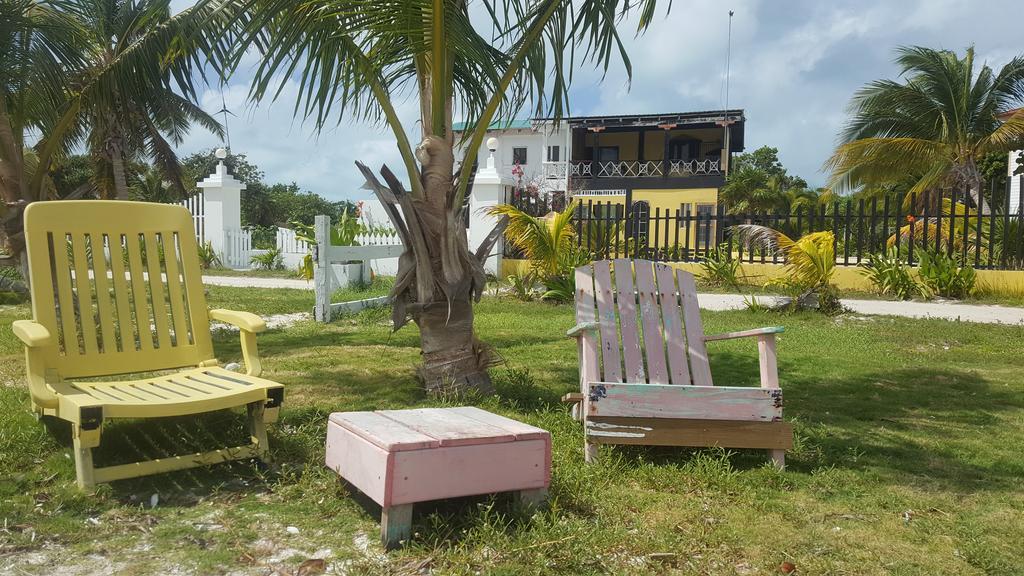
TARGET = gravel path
(988,314)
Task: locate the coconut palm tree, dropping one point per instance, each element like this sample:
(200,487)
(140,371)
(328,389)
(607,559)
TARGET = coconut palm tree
(60,81)
(934,125)
(139,119)
(483,63)
(39,42)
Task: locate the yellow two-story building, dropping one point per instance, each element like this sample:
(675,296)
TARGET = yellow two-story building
(641,165)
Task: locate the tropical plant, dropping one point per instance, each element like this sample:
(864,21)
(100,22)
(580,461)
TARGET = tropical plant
(523,285)
(719,268)
(208,257)
(150,186)
(549,243)
(889,273)
(943,275)
(810,261)
(270,259)
(936,125)
(926,232)
(352,57)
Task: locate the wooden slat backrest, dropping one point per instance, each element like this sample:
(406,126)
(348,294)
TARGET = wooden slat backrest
(604,293)
(700,368)
(668,327)
(630,328)
(675,342)
(118,284)
(588,346)
(650,313)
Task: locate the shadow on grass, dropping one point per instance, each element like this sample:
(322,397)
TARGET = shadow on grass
(931,423)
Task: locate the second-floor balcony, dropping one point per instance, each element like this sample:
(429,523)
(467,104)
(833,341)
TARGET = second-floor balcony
(632,169)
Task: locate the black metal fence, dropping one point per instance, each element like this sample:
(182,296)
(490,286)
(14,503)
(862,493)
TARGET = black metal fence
(950,222)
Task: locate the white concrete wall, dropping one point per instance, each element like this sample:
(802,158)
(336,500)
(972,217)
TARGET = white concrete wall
(1015,182)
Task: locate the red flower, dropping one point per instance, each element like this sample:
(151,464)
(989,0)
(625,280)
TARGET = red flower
(910,218)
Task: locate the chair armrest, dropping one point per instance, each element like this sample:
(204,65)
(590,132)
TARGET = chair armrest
(32,333)
(744,333)
(243,320)
(578,330)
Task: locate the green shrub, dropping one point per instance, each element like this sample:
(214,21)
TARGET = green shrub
(943,275)
(208,257)
(719,268)
(269,260)
(523,285)
(890,275)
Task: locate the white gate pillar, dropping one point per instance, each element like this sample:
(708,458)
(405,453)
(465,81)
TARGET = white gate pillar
(488,190)
(222,195)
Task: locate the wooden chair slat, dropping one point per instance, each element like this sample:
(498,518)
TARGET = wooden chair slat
(586,343)
(179,310)
(654,340)
(64,297)
(140,295)
(626,297)
(700,367)
(605,296)
(122,301)
(83,289)
(104,306)
(156,290)
(671,317)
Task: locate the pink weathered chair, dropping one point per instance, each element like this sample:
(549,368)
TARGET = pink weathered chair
(631,310)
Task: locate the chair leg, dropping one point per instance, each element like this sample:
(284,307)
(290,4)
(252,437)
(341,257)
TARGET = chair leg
(258,429)
(778,458)
(589,452)
(83,463)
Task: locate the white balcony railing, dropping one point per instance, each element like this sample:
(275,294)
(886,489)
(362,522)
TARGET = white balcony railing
(630,169)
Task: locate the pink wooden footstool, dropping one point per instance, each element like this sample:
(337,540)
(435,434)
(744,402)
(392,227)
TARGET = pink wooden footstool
(400,457)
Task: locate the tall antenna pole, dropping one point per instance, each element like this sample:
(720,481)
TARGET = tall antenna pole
(728,60)
(727,121)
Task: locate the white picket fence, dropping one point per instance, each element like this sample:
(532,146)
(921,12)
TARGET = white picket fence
(293,250)
(237,249)
(336,266)
(196,206)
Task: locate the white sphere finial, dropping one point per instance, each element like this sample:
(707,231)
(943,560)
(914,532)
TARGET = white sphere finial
(221,153)
(492,144)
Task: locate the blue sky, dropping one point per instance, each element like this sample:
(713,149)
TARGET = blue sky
(795,65)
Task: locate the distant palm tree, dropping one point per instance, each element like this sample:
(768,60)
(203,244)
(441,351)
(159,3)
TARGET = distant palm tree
(150,186)
(140,117)
(934,126)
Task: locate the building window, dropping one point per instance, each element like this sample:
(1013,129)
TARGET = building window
(705,224)
(554,152)
(519,156)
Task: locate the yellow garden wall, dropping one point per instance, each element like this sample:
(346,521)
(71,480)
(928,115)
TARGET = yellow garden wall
(994,282)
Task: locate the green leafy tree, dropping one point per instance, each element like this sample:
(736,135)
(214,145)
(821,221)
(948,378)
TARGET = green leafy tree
(352,58)
(758,182)
(935,125)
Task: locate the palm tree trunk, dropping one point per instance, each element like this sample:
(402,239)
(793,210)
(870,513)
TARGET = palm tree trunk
(12,186)
(438,278)
(117,164)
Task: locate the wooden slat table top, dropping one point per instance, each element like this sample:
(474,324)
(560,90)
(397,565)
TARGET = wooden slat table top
(425,428)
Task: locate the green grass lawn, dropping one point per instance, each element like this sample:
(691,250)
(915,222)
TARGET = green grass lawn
(907,461)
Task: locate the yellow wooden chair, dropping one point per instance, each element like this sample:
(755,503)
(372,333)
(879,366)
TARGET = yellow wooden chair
(116,290)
